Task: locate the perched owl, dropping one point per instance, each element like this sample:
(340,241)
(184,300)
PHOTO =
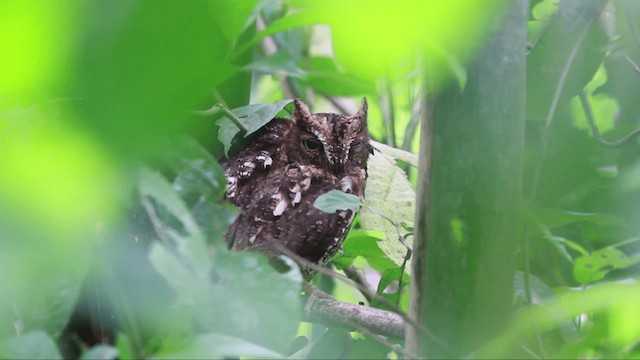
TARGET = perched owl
(277,178)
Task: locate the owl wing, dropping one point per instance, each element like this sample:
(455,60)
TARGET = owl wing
(282,214)
(250,166)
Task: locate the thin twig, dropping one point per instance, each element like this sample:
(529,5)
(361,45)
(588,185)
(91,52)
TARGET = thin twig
(157,224)
(386,107)
(409,133)
(336,104)
(269,47)
(357,277)
(219,108)
(594,126)
(633,64)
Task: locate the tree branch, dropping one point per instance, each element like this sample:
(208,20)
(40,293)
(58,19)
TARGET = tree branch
(323,308)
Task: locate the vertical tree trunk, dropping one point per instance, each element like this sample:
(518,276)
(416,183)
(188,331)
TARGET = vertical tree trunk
(468,214)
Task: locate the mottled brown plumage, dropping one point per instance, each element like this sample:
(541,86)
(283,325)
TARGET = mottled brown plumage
(277,178)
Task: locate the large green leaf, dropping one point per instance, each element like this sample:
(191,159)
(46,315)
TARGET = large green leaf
(596,266)
(253,301)
(101,352)
(365,243)
(220,346)
(32,345)
(192,246)
(142,67)
(388,193)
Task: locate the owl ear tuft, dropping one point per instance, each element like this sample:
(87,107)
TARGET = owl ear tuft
(362,112)
(301,110)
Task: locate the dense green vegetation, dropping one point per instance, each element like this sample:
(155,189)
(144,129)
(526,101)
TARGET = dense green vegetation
(502,211)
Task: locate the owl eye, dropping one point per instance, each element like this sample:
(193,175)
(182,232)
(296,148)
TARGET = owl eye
(311,145)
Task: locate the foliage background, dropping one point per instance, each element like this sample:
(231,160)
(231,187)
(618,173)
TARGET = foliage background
(91,91)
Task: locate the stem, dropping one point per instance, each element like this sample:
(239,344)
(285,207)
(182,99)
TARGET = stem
(386,107)
(594,126)
(357,277)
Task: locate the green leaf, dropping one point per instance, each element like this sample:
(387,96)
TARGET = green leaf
(398,154)
(186,286)
(198,173)
(365,243)
(253,301)
(335,200)
(32,345)
(100,352)
(253,117)
(391,275)
(220,346)
(332,345)
(123,343)
(280,62)
(596,266)
(389,192)
(324,75)
(142,46)
(541,294)
(553,218)
(192,247)
(552,58)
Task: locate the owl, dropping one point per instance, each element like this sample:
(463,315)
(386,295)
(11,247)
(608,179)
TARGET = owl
(289,164)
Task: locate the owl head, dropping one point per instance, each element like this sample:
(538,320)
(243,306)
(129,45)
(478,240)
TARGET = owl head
(330,141)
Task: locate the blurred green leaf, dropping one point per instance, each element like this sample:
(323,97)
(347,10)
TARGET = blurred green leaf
(182,280)
(140,68)
(571,49)
(588,269)
(540,292)
(234,17)
(192,248)
(198,173)
(554,218)
(32,345)
(366,349)
(281,61)
(332,345)
(335,200)
(254,302)
(219,346)
(100,352)
(324,75)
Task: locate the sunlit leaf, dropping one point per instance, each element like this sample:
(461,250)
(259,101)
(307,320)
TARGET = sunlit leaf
(365,243)
(596,266)
(389,192)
